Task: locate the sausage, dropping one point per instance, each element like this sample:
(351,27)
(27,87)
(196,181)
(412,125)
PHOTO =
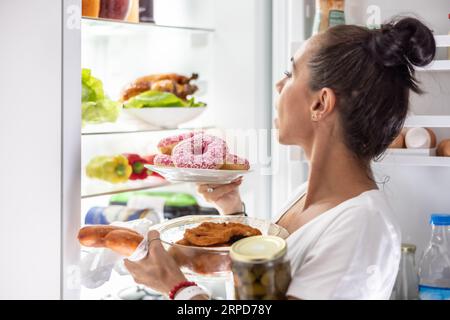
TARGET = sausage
(121,240)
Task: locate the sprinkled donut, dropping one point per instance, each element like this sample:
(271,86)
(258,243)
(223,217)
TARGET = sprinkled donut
(201,152)
(163,160)
(233,162)
(166,145)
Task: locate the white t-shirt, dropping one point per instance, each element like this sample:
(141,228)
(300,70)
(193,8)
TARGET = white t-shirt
(351,251)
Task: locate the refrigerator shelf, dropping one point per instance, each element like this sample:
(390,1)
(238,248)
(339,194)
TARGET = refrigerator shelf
(442,41)
(437,65)
(431,121)
(100,131)
(99,188)
(409,160)
(110,27)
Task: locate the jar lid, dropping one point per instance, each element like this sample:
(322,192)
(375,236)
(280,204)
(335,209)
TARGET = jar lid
(439,219)
(408,247)
(258,249)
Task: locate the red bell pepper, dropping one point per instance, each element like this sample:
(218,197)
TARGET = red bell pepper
(149,160)
(137,163)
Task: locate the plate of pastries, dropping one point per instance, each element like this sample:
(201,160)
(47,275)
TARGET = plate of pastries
(197,157)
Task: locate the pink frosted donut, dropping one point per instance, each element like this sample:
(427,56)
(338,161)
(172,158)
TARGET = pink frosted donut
(201,152)
(166,145)
(233,162)
(163,160)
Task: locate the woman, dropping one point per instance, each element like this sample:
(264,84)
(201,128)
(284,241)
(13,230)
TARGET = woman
(344,102)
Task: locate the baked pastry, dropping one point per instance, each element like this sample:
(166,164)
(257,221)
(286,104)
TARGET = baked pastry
(177,84)
(199,254)
(210,234)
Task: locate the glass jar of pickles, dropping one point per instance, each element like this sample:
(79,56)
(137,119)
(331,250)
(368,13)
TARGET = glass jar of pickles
(260,268)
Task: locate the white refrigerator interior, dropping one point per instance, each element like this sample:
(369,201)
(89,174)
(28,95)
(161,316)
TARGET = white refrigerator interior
(228,44)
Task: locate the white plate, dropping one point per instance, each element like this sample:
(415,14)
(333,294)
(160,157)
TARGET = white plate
(197,175)
(168,117)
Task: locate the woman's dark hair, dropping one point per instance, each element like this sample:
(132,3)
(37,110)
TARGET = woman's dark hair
(371,72)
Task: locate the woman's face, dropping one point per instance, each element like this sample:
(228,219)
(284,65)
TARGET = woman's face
(295,101)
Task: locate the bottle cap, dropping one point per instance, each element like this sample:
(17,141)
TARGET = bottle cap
(408,247)
(440,219)
(258,249)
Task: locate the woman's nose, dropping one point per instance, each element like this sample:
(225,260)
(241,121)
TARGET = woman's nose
(279,85)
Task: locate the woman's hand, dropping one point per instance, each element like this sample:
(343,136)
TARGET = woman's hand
(158,270)
(225,197)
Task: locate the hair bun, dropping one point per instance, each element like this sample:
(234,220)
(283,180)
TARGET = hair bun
(403,42)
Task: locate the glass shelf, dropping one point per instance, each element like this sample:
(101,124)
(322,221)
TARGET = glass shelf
(111,129)
(95,188)
(407,160)
(129,124)
(108,26)
(433,121)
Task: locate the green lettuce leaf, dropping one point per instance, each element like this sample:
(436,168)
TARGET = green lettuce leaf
(92,88)
(98,112)
(96,107)
(154,99)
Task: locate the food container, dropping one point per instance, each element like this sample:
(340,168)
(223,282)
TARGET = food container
(207,261)
(90,8)
(165,117)
(260,268)
(115,9)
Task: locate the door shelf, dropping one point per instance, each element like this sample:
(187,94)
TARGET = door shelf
(442,41)
(93,188)
(407,160)
(431,121)
(436,65)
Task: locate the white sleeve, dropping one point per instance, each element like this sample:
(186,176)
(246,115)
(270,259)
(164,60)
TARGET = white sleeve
(354,258)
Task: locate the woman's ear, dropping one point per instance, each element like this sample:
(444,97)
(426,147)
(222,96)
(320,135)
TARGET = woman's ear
(323,104)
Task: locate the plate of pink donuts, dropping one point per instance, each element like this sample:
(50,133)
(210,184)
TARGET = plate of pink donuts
(212,176)
(197,157)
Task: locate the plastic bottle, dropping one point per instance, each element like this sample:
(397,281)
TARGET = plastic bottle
(329,13)
(407,282)
(434,271)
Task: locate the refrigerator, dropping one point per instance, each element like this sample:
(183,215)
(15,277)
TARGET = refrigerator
(239,49)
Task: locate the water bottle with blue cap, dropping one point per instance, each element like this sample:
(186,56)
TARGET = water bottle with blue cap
(434,271)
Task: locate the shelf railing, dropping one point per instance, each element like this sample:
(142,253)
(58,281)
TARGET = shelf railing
(442,41)
(99,188)
(408,160)
(432,121)
(109,23)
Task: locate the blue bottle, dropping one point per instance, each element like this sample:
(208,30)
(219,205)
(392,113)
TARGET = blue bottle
(434,271)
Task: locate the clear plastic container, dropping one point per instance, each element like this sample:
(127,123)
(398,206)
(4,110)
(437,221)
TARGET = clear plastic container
(434,271)
(207,261)
(260,268)
(407,282)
